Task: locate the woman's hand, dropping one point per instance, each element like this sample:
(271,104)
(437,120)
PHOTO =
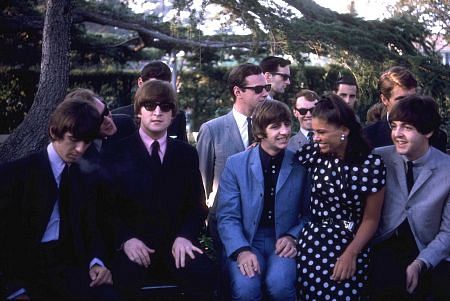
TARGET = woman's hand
(345,266)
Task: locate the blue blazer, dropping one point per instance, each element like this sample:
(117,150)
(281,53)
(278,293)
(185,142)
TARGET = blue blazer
(241,199)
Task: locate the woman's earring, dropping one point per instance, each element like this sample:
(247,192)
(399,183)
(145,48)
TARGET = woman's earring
(342,137)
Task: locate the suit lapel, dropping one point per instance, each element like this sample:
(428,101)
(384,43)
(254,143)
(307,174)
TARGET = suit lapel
(400,174)
(425,174)
(232,128)
(256,167)
(285,170)
(44,198)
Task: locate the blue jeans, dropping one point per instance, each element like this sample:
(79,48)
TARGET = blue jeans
(278,275)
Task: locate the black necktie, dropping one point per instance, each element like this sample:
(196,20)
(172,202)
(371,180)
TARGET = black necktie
(409,175)
(249,130)
(155,153)
(310,137)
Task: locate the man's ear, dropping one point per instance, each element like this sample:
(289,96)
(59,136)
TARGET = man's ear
(429,134)
(384,100)
(140,82)
(51,131)
(237,91)
(268,77)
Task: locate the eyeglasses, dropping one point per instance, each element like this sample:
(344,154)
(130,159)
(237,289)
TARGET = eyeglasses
(105,112)
(303,111)
(258,89)
(164,107)
(284,75)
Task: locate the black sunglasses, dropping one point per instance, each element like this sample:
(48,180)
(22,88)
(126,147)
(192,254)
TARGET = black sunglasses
(304,111)
(105,112)
(165,107)
(284,75)
(258,89)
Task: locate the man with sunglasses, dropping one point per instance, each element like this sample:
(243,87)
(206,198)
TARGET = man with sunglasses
(277,73)
(154,195)
(304,103)
(113,127)
(159,70)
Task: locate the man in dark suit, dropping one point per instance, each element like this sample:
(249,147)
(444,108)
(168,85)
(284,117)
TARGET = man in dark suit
(395,84)
(159,70)
(50,246)
(154,194)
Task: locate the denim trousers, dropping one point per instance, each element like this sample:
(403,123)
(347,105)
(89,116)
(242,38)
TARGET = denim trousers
(278,274)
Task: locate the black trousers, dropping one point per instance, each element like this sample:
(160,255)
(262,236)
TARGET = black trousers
(387,278)
(197,280)
(55,278)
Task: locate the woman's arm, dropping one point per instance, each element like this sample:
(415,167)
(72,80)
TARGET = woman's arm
(345,266)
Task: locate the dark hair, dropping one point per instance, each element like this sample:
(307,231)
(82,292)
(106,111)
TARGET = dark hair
(83,93)
(267,112)
(307,94)
(420,111)
(238,75)
(156,70)
(347,79)
(155,91)
(271,63)
(76,116)
(375,112)
(334,110)
(396,76)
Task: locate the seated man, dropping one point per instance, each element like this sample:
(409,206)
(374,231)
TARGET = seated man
(155,203)
(413,240)
(52,249)
(261,202)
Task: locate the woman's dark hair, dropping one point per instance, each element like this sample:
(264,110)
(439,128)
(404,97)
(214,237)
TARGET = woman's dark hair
(333,109)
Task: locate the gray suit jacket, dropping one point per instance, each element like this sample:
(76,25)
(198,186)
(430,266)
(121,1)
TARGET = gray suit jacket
(297,141)
(216,141)
(426,207)
(240,199)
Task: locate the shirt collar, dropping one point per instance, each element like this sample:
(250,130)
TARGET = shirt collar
(304,132)
(240,118)
(266,159)
(57,164)
(420,161)
(149,140)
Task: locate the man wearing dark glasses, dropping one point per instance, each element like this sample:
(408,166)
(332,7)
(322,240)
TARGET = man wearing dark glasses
(159,70)
(277,73)
(304,103)
(113,127)
(156,204)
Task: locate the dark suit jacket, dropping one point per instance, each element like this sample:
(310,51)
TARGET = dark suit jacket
(130,191)
(177,128)
(379,134)
(27,195)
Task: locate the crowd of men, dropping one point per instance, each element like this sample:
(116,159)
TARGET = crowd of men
(119,199)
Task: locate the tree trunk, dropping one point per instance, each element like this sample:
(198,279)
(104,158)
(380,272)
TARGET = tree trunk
(32,134)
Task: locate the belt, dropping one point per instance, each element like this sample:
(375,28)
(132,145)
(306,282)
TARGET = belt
(349,225)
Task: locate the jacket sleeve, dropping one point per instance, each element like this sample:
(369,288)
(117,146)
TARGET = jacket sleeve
(206,153)
(229,217)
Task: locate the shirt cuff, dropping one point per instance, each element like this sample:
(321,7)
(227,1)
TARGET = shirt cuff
(16,294)
(426,263)
(96,261)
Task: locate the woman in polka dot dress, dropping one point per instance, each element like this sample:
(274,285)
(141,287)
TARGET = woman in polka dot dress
(346,199)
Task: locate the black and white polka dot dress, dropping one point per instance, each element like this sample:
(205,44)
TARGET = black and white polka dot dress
(338,195)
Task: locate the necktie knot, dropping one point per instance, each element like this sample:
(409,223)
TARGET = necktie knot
(310,137)
(249,130)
